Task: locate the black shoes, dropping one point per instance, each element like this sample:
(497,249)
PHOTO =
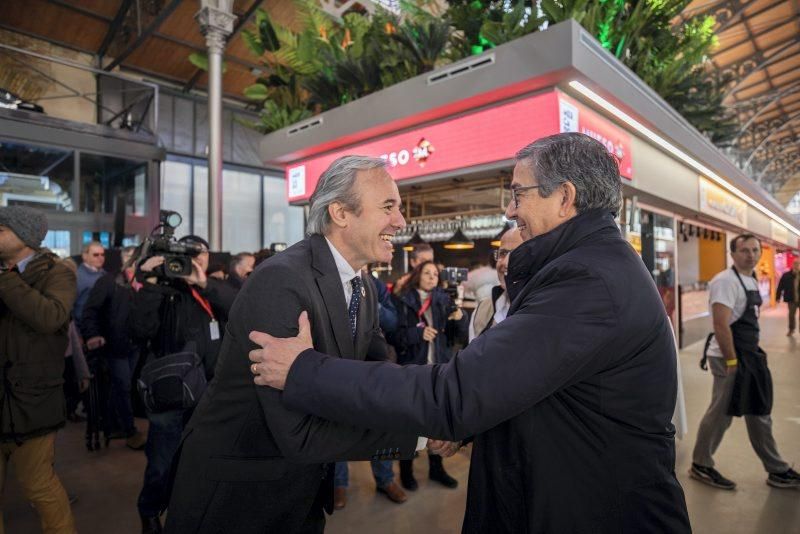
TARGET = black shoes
(407,475)
(441,476)
(408,481)
(151,525)
(789,479)
(712,477)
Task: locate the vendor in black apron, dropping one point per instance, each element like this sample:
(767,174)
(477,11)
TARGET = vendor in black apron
(742,382)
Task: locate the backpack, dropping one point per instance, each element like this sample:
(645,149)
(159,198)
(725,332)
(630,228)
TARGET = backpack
(172,382)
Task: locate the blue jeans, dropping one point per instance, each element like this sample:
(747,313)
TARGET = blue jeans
(163,439)
(120,412)
(381,470)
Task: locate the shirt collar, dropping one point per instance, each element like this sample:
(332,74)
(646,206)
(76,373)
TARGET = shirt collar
(346,272)
(24,263)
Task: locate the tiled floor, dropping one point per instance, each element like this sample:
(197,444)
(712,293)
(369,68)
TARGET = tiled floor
(107,482)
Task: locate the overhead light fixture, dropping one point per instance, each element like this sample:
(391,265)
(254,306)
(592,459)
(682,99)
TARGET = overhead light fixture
(459,242)
(415,241)
(496,239)
(678,153)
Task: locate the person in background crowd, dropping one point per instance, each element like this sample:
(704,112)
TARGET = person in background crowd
(421,253)
(240,267)
(570,398)
(480,281)
(742,383)
(217,271)
(425,313)
(37,292)
(76,368)
(105,326)
(188,314)
(89,272)
(494,309)
(75,358)
(261,256)
(789,290)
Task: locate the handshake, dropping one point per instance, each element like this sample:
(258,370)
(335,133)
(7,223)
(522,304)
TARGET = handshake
(445,449)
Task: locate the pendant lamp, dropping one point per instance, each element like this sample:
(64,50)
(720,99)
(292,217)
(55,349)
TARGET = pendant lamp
(496,239)
(415,241)
(459,242)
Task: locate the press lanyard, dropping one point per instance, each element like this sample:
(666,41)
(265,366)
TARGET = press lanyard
(425,306)
(203,303)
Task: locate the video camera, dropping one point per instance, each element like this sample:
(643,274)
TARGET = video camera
(177,256)
(451,278)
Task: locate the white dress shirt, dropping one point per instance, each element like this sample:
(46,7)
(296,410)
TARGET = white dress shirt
(346,275)
(346,272)
(501,308)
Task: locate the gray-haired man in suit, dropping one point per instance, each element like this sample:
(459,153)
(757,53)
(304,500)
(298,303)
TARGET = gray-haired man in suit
(247,463)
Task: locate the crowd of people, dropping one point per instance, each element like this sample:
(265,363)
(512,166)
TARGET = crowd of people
(260,384)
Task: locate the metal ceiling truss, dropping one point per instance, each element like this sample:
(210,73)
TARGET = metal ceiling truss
(752,35)
(794,88)
(742,70)
(785,123)
(162,15)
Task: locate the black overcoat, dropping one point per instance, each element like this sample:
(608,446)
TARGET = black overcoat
(570,398)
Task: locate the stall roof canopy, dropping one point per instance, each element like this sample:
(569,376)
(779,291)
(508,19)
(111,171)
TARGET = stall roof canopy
(759,47)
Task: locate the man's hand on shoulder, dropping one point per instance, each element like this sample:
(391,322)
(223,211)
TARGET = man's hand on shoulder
(271,363)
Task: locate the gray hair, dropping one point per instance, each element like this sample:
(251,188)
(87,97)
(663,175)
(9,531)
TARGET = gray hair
(581,160)
(91,244)
(336,185)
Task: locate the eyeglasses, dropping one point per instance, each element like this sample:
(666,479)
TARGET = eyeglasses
(500,253)
(515,191)
(98,254)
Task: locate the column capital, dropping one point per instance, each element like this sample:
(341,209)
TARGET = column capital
(216,24)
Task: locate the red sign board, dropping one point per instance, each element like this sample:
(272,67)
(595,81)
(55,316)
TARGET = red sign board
(480,137)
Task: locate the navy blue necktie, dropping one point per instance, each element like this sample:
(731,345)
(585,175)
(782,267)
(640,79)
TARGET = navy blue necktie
(355,300)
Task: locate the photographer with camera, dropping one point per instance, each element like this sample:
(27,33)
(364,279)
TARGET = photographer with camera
(180,314)
(427,317)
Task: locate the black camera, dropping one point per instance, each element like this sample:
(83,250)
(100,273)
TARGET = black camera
(450,278)
(177,256)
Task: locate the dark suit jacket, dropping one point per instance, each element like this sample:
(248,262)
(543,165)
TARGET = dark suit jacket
(247,463)
(786,287)
(570,398)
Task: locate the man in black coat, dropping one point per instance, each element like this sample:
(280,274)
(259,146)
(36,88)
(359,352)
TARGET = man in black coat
(789,290)
(186,314)
(248,464)
(570,398)
(104,326)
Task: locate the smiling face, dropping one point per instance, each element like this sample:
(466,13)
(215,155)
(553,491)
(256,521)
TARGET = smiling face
(536,215)
(508,243)
(365,237)
(428,277)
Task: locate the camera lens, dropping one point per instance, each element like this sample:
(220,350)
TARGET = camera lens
(175,266)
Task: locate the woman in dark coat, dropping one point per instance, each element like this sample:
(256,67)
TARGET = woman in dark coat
(428,321)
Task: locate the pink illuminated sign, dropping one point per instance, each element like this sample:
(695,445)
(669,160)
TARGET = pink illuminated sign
(477,138)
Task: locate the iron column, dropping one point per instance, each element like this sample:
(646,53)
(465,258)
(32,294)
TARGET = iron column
(216,23)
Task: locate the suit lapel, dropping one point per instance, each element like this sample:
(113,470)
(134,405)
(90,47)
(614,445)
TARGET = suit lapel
(330,287)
